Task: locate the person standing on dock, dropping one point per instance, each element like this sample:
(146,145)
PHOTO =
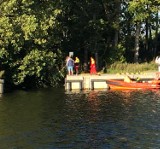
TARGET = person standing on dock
(157,61)
(92,66)
(76,62)
(70,65)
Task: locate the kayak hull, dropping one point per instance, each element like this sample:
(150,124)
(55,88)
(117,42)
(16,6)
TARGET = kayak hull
(120,84)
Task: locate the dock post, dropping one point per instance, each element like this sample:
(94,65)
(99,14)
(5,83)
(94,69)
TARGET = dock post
(92,85)
(68,85)
(1,86)
(71,84)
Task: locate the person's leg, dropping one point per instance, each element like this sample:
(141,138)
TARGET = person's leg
(77,70)
(68,70)
(71,70)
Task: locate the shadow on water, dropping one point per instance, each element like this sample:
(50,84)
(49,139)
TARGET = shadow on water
(53,118)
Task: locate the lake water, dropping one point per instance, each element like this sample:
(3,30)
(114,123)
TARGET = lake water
(56,119)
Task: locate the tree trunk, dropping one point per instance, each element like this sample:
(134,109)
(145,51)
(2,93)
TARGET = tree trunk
(136,49)
(116,38)
(85,66)
(147,44)
(156,35)
(97,63)
(117,12)
(147,31)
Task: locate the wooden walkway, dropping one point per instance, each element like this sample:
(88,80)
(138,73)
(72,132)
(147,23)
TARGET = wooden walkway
(91,82)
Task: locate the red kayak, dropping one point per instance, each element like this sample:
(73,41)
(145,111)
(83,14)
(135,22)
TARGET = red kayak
(120,84)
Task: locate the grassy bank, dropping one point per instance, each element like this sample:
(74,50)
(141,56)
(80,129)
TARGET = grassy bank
(131,67)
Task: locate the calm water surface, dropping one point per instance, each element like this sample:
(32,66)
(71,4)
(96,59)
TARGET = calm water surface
(55,119)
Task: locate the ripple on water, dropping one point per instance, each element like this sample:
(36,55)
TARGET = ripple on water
(88,119)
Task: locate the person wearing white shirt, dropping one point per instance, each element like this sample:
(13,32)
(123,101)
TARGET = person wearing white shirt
(157,61)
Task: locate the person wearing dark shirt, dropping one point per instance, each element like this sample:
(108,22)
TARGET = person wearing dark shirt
(70,65)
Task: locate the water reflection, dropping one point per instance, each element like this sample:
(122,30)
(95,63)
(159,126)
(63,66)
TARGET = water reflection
(123,114)
(54,118)
(1,96)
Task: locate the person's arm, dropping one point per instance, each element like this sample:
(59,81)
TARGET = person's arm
(67,62)
(73,62)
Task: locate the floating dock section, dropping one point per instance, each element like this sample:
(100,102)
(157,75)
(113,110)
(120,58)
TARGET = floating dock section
(91,82)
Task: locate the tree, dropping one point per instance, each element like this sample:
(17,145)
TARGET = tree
(28,38)
(142,11)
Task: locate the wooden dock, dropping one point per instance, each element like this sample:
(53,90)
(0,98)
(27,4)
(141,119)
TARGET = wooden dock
(91,82)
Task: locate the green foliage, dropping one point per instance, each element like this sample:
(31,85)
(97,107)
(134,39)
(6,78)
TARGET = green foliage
(117,54)
(27,38)
(2,74)
(36,63)
(31,32)
(142,9)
